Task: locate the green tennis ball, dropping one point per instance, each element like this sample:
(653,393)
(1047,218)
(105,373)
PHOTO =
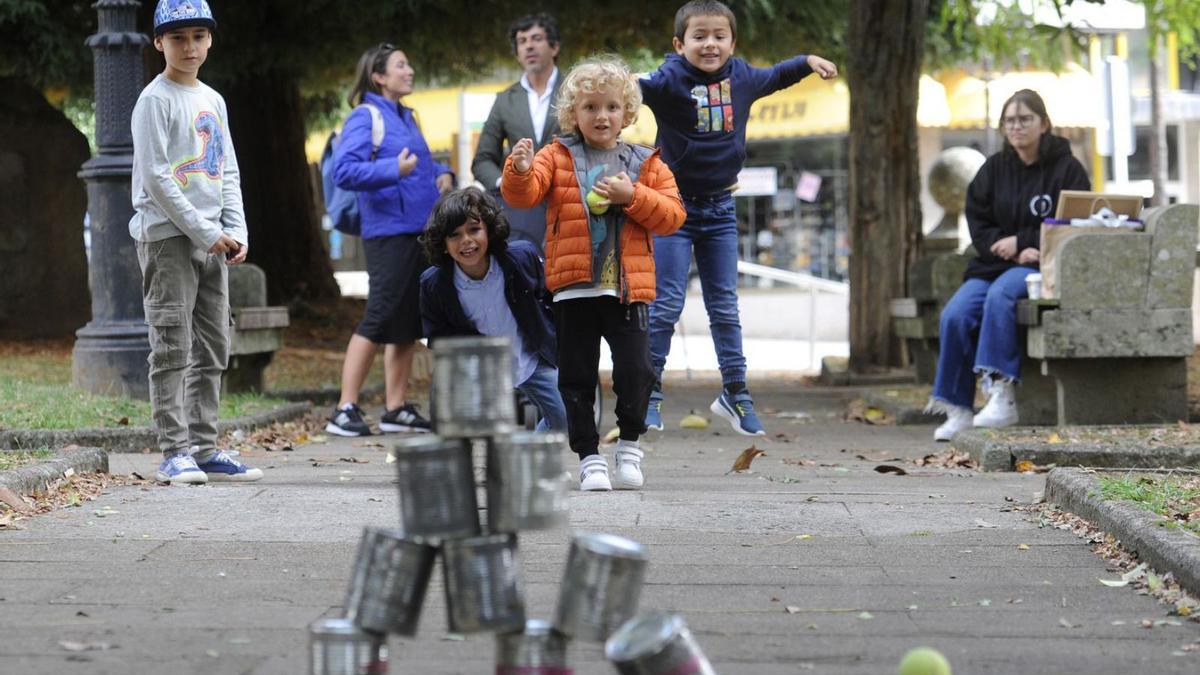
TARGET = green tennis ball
(594,203)
(924,661)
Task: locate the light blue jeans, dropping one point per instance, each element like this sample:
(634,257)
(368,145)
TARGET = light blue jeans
(542,390)
(711,233)
(978,333)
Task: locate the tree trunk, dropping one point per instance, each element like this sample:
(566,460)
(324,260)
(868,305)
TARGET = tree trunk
(266,118)
(1158,129)
(885,211)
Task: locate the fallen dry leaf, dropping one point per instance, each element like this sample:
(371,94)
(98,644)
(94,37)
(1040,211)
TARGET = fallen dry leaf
(1022,547)
(742,463)
(74,646)
(951,459)
(859,411)
(693,421)
(16,501)
(1026,466)
(888,468)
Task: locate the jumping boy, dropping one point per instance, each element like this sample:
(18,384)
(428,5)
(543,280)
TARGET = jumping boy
(188,225)
(598,260)
(482,283)
(701,98)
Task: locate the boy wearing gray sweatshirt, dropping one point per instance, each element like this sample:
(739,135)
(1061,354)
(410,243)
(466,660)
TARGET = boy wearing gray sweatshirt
(188,225)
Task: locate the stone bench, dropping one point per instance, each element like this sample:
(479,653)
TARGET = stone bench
(1112,347)
(257,329)
(932,281)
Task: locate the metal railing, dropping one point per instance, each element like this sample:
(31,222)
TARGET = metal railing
(800,280)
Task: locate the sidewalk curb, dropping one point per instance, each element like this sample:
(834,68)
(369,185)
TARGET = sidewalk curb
(32,479)
(134,439)
(1166,550)
(994,453)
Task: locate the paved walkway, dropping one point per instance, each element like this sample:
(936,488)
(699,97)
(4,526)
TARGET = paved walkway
(225,579)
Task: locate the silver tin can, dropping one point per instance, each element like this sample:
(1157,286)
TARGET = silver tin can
(483,585)
(437,488)
(338,647)
(527,487)
(473,387)
(391,575)
(601,585)
(539,650)
(656,644)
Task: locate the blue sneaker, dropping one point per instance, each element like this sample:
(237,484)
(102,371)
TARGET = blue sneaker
(221,467)
(739,410)
(180,469)
(654,411)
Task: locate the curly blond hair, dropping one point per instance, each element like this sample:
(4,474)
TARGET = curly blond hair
(593,74)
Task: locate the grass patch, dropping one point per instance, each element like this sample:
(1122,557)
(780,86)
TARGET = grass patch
(16,458)
(1176,496)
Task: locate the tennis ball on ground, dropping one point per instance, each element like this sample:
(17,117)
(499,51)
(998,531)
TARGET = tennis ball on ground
(594,203)
(924,661)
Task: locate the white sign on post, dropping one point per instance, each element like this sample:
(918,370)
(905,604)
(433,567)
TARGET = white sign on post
(758,181)
(473,110)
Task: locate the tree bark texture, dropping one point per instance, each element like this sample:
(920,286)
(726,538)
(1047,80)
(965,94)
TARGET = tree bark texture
(266,119)
(885,183)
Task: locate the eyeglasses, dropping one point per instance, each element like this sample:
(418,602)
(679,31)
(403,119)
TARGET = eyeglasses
(1018,122)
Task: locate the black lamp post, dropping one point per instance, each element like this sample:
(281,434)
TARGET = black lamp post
(111,350)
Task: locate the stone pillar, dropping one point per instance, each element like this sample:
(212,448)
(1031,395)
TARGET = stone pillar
(111,350)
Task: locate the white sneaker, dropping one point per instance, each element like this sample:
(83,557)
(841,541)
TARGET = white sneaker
(593,474)
(958,419)
(1001,408)
(628,459)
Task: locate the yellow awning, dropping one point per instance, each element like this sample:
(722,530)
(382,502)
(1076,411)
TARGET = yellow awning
(1072,97)
(811,107)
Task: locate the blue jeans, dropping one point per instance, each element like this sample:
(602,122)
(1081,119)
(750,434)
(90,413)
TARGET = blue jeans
(542,390)
(711,232)
(978,334)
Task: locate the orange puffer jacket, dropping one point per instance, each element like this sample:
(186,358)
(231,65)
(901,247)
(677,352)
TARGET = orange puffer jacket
(655,210)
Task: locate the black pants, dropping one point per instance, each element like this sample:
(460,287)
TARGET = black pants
(581,323)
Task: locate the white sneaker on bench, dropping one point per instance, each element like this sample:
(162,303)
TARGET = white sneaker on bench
(1001,408)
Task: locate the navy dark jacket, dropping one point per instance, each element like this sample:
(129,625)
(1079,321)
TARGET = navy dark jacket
(442,314)
(702,116)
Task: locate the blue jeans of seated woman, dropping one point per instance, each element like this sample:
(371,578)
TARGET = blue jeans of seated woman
(542,390)
(978,334)
(711,232)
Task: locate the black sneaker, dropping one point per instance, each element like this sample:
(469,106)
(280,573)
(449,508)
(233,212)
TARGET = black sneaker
(404,418)
(348,421)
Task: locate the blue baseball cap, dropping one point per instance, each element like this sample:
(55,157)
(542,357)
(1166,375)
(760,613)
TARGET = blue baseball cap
(172,14)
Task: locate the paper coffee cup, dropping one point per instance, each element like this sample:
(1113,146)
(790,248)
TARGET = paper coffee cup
(1033,283)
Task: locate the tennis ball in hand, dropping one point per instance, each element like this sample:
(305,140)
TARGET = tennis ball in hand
(924,661)
(595,203)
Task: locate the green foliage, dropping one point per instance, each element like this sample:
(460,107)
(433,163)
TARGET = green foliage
(42,41)
(1003,34)
(1176,496)
(36,393)
(1179,16)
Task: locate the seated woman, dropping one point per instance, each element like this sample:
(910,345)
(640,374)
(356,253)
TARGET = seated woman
(1013,192)
(483,284)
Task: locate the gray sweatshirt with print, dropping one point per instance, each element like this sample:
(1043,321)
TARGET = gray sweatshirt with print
(185,175)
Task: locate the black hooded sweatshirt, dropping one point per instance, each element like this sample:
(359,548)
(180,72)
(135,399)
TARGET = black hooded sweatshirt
(1009,197)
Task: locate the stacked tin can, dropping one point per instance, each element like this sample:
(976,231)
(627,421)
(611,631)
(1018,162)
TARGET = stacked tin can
(525,489)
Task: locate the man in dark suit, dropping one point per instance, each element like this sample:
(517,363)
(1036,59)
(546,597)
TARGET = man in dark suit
(524,110)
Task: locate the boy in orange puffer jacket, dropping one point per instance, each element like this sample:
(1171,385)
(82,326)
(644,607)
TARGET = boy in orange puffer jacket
(606,200)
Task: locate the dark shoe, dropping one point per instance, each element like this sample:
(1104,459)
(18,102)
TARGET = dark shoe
(738,409)
(348,421)
(404,418)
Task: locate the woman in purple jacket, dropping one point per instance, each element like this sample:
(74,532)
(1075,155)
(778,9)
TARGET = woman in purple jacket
(397,184)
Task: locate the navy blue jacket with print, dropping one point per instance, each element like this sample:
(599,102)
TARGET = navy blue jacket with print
(702,116)
(389,203)
(442,314)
